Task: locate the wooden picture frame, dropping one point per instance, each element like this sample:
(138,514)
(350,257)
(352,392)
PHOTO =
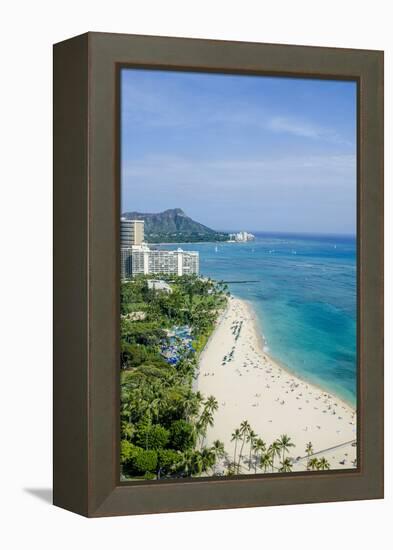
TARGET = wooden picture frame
(86,274)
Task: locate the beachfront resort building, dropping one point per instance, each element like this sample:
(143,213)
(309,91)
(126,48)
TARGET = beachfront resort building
(137,258)
(132,232)
(143,260)
(241,237)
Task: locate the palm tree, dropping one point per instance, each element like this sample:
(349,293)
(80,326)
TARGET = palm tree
(187,462)
(285,443)
(231,469)
(211,404)
(266,461)
(323,464)
(205,420)
(244,430)
(197,463)
(218,449)
(208,459)
(275,450)
(155,406)
(312,464)
(126,407)
(251,436)
(236,436)
(200,429)
(309,449)
(127,430)
(148,425)
(259,448)
(286,465)
(192,405)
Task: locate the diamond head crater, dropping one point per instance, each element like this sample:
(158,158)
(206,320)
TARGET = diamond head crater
(174,226)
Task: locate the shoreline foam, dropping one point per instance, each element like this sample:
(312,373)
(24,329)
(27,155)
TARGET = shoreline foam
(281,364)
(254,386)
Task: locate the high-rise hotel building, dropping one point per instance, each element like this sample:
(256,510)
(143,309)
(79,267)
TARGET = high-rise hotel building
(132,232)
(145,261)
(139,259)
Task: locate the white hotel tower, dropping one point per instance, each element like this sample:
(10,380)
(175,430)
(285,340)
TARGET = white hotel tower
(138,259)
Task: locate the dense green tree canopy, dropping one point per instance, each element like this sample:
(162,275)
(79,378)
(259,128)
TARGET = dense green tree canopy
(160,413)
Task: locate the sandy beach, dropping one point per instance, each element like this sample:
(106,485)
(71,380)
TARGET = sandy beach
(249,385)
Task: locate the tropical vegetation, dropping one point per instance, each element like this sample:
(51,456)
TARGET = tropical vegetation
(265,458)
(163,421)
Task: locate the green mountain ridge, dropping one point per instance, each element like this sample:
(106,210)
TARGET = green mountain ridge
(174,226)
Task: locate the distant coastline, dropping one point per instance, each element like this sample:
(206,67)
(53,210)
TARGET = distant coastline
(175,225)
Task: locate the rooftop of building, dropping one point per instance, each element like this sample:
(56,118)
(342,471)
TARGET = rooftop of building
(133,221)
(158,284)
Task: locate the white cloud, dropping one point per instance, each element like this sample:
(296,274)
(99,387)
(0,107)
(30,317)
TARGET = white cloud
(305,129)
(315,170)
(168,109)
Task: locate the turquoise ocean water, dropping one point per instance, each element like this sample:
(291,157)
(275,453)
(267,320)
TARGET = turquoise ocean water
(304,297)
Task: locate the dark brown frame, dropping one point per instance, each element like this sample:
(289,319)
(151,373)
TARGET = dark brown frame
(86,274)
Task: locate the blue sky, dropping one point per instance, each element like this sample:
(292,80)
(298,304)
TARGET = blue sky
(240,152)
